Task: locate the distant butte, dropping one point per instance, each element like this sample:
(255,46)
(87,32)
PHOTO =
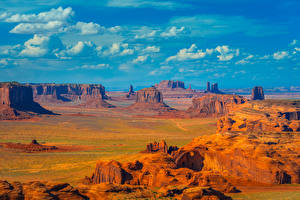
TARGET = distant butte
(17,102)
(150,99)
(257,93)
(81,95)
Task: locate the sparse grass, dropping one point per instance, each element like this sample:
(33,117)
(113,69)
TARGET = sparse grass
(113,135)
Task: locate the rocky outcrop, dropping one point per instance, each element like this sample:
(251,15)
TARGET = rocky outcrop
(176,89)
(157,147)
(38,190)
(261,117)
(150,99)
(84,95)
(203,193)
(272,159)
(34,146)
(109,172)
(257,93)
(212,105)
(16,102)
(213,89)
(131,92)
(149,95)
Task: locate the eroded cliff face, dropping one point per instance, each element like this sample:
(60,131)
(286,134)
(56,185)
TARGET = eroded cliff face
(268,159)
(257,93)
(219,161)
(16,102)
(213,105)
(149,95)
(262,117)
(86,95)
(168,84)
(149,99)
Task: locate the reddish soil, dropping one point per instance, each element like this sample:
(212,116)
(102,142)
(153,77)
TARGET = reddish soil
(39,148)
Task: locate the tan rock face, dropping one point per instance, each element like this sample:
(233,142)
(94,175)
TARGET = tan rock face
(262,116)
(85,95)
(149,95)
(257,93)
(157,147)
(110,172)
(214,105)
(149,99)
(168,84)
(16,102)
(272,159)
(219,161)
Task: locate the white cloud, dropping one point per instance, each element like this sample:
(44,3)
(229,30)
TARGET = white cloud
(214,25)
(161,70)
(98,66)
(127,52)
(140,59)
(58,14)
(188,54)
(81,48)
(119,49)
(146,35)
(3,62)
(173,31)
(115,48)
(294,42)
(29,28)
(10,50)
(40,45)
(226,53)
(88,28)
(280,55)
(152,49)
(144,3)
(238,73)
(245,60)
(3,15)
(115,29)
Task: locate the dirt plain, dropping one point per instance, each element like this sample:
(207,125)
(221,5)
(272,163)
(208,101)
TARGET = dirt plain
(104,134)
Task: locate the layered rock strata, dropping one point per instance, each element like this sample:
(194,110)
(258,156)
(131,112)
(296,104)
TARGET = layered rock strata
(16,102)
(150,99)
(213,105)
(85,95)
(257,93)
(262,117)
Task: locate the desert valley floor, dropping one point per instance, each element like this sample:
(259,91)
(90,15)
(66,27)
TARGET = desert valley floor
(86,136)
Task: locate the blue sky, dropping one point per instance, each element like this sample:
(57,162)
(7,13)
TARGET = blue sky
(237,43)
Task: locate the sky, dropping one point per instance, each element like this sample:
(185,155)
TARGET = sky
(237,43)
